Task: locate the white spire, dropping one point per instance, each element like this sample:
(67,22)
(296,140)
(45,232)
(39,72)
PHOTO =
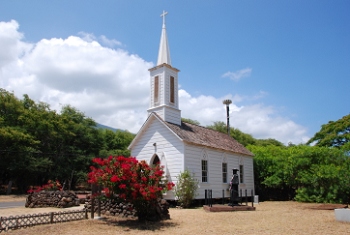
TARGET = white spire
(164,52)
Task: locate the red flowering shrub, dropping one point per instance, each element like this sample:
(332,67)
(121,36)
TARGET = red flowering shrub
(50,186)
(130,180)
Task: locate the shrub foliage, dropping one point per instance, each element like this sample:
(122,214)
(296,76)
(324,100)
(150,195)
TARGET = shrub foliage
(185,189)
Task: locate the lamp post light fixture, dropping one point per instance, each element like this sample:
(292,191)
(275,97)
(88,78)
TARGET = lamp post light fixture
(227,103)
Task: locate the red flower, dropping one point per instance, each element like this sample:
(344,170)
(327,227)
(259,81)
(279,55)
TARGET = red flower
(137,181)
(170,185)
(125,166)
(107,192)
(114,178)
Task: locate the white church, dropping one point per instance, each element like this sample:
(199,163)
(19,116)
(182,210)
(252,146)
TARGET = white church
(178,146)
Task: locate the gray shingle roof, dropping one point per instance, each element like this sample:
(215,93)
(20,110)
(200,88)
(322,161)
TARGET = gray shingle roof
(207,137)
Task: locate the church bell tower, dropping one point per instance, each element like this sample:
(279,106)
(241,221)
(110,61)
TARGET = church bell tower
(164,99)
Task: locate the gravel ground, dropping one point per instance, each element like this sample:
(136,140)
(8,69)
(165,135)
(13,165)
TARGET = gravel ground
(269,218)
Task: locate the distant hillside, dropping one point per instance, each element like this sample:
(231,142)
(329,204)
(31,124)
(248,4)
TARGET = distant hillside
(100,126)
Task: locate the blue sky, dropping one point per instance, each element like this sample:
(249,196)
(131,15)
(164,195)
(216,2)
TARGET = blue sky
(285,64)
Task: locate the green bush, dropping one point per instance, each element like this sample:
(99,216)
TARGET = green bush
(185,189)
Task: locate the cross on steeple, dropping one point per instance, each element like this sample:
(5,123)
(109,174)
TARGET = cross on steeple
(164,52)
(164,99)
(163,15)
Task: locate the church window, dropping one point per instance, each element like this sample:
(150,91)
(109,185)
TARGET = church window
(156,160)
(224,172)
(172,89)
(204,171)
(241,174)
(156,89)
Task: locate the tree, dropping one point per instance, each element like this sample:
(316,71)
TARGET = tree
(266,142)
(115,143)
(41,144)
(242,138)
(305,173)
(191,121)
(126,179)
(334,134)
(186,188)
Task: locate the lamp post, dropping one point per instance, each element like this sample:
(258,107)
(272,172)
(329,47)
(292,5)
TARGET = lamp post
(227,103)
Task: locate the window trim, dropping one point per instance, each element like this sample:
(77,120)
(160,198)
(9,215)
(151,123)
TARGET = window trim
(205,175)
(241,174)
(156,90)
(172,90)
(224,172)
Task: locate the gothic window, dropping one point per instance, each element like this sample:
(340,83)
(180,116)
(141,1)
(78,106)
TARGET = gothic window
(155,161)
(156,89)
(224,172)
(204,171)
(172,89)
(241,174)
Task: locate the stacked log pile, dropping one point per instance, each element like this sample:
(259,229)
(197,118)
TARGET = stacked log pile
(111,207)
(60,199)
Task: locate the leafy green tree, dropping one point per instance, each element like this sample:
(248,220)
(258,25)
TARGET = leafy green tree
(20,154)
(242,138)
(218,126)
(79,141)
(115,143)
(185,189)
(41,144)
(191,121)
(306,173)
(334,134)
(266,142)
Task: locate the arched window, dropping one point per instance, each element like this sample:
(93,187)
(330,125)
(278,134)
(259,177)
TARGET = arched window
(205,168)
(224,169)
(241,170)
(155,160)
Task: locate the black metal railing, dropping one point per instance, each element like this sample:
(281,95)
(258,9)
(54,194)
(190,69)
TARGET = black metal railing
(208,195)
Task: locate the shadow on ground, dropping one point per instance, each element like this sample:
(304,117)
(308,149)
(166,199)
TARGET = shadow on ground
(134,224)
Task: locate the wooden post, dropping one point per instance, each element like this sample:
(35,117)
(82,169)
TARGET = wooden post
(9,188)
(99,207)
(94,190)
(51,218)
(251,193)
(240,195)
(223,196)
(92,208)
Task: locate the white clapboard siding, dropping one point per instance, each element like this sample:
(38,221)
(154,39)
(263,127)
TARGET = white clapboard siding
(169,149)
(248,182)
(193,157)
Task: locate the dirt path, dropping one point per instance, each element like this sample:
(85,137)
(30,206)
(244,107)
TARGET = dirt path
(269,218)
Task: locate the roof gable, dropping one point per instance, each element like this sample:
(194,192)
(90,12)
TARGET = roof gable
(151,118)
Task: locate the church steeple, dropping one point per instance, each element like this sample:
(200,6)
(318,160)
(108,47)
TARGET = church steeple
(164,52)
(164,98)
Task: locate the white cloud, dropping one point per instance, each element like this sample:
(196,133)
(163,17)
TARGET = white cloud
(89,37)
(237,75)
(112,86)
(109,42)
(260,121)
(11,45)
